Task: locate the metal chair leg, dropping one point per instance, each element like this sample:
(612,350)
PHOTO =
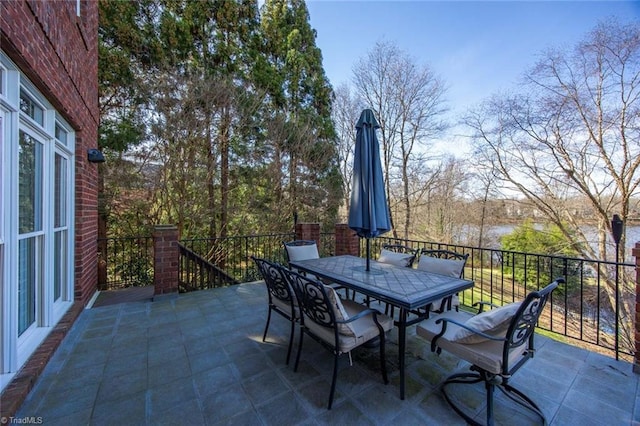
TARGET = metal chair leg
(491,383)
(266,327)
(335,377)
(293,330)
(295,367)
(461,378)
(383,362)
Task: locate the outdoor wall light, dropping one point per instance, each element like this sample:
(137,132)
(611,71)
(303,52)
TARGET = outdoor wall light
(95,156)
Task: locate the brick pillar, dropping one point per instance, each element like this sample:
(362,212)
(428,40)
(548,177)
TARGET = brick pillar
(636,359)
(166,258)
(308,231)
(347,241)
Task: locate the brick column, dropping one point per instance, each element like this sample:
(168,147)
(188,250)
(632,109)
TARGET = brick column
(347,241)
(308,231)
(166,258)
(636,359)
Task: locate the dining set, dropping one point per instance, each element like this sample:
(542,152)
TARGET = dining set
(344,302)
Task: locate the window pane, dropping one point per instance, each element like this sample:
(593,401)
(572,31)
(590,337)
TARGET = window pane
(26,284)
(60,184)
(29,184)
(61,134)
(29,107)
(59,264)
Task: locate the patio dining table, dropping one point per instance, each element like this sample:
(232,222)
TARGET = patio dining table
(405,288)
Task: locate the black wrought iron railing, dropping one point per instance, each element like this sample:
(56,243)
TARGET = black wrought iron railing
(125,262)
(197,273)
(597,298)
(233,254)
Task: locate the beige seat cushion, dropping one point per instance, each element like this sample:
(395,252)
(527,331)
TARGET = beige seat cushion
(305,252)
(364,329)
(448,267)
(486,355)
(283,305)
(493,322)
(393,258)
(455,302)
(340,312)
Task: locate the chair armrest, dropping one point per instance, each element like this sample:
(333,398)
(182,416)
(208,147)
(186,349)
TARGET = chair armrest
(361,314)
(483,304)
(445,321)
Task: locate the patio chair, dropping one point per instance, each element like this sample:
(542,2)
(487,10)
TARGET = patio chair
(282,299)
(398,255)
(496,342)
(443,262)
(303,250)
(339,325)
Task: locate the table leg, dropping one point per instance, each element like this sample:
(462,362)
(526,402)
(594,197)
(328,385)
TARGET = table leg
(402,338)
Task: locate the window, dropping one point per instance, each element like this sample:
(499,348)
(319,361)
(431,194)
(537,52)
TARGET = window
(29,184)
(31,108)
(30,221)
(36,218)
(61,134)
(60,225)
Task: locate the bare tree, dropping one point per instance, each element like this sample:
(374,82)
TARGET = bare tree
(483,189)
(345,113)
(574,131)
(440,214)
(408,101)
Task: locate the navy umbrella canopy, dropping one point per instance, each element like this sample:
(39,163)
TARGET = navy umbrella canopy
(369,212)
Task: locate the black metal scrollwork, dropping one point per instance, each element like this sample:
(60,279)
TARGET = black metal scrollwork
(314,301)
(276,282)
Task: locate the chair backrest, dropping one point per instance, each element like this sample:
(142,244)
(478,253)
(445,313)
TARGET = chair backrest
(445,262)
(314,300)
(275,280)
(522,325)
(406,255)
(301,250)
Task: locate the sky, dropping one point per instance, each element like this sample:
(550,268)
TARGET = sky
(477,47)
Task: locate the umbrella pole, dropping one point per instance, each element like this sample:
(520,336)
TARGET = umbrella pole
(368,248)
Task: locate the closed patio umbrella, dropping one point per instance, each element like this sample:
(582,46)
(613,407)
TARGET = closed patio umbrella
(368,213)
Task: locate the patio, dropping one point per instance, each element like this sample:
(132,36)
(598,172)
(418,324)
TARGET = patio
(199,359)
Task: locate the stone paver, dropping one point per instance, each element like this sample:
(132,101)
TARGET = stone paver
(199,359)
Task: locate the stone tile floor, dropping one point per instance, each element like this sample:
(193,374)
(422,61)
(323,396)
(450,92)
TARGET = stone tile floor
(199,359)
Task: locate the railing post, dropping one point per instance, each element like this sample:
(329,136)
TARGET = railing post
(308,231)
(347,241)
(166,259)
(636,358)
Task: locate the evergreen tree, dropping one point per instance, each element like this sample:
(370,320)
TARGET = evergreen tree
(299,94)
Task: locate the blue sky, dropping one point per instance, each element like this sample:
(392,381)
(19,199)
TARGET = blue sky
(477,47)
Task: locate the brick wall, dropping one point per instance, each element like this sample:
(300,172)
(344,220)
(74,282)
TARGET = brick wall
(166,259)
(308,231)
(347,241)
(58,52)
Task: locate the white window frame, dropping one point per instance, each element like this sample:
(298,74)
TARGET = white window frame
(29,340)
(65,151)
(14,349)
